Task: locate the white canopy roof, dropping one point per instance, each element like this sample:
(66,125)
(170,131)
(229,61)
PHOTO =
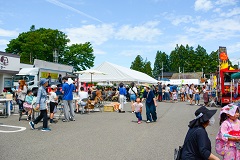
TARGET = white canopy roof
(115,73)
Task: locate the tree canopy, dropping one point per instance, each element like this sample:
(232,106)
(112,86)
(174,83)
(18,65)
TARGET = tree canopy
(42,43)
(183,59)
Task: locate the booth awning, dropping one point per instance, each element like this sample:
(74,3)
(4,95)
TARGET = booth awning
(235,76)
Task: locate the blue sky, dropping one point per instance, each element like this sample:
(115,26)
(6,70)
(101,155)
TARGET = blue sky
(121,30)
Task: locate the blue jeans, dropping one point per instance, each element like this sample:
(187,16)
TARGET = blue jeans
(167,96)
(151,112)
(132,97)
(138,115)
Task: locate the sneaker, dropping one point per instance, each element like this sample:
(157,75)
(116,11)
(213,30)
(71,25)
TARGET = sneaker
(148,121)
(154,120)
(139,122)
(195,104)
(72,119)
(133,111)
(31,125)
(46,129)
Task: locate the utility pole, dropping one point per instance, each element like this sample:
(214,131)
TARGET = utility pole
(179,72)
(183,73)
(162,70)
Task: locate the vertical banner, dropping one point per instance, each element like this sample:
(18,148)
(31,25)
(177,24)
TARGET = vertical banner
(223,57)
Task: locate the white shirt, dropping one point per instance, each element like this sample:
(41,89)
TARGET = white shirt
(52,97)
(132,89)
(83,95)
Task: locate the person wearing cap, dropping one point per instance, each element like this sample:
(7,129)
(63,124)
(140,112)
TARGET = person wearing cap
(41,103)
(197,145)
(151,104)
(227,144)
(53,98)
(67,89)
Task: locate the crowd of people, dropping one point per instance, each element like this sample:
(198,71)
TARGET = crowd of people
(197,144)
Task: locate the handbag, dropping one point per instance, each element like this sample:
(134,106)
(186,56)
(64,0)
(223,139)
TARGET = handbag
(27,106)
(178,151)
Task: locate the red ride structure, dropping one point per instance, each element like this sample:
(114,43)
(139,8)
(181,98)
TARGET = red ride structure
(228,89)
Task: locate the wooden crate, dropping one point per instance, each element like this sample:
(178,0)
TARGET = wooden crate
(108,108)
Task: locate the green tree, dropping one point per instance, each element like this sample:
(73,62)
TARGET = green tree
(148,68)
(161,61)
(201,59)
(80,56)
(138,64)
(42,43)
(213,62)
(38,44)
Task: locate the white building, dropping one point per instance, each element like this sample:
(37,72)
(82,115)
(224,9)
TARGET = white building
(9,66)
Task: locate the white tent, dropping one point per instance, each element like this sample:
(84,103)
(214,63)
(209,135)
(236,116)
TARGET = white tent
(115,73)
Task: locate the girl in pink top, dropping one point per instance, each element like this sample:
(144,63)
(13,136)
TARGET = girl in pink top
(227,145)
(138,109)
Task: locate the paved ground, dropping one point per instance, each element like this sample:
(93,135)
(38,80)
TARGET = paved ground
(102,136)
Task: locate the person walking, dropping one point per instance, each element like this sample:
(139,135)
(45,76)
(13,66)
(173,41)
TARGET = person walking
(53,98)
(197,96)
(160,92)
(133,94)
(122,94)
(197,145)
(138,109)
(41,103)
(150,103)
(67,89)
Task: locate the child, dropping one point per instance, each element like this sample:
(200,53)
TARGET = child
(197,96)
(138,109)
(227,144)
(28,104)
(53,98)
(174,96)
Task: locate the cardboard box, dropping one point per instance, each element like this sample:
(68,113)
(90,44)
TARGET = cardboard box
(108,108)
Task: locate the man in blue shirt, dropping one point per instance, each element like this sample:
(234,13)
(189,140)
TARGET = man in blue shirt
(67,89)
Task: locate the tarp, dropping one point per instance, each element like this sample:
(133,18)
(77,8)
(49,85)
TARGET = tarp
(235,75)
(116,73)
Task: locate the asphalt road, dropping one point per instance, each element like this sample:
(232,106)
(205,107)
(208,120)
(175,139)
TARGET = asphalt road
(102,136)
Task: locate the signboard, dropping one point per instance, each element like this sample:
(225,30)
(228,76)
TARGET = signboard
(10,62)
(47,74)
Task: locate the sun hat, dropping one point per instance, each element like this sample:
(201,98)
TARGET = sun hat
(229,109)
(43,81)
(53,86)
(146,85)
(202,115)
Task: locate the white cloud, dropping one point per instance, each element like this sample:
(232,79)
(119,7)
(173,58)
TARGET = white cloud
(226,2)
(204,5)
(131,53)
(181,19)
(96,34)
(8,33)
(99,51)
(146,32)
(231,12)
(3,42)
(215,29)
